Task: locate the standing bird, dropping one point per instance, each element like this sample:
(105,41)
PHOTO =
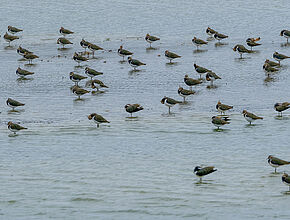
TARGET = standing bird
(252,39)
(269,69)
(276,162)
(220,121)
(250,117)
(79,58)
(184,93)
(13,30)
(122,52)
(21,51)
(131,108)
(97,84)
(79,91)
(253,44)
(241,49)
(64,31)
(135,63)
(271,63)
(76,78)
(191,82)
(9,38)
(169,102)
(170,56)
(211,76)
(278,56)
(279,107)
(13,103)
(63,41)
(219,36)
(200,172)
(201,70)
(92,73)
(286,34)
(15,127)
(93,48)
(84,44)
(30,57)
(150,39)
(222,107)
(286,180)
(210,32)
(198,42)
(22,73)
(98,119)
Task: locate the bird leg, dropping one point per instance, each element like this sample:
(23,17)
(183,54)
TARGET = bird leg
(275,169)
(168,110)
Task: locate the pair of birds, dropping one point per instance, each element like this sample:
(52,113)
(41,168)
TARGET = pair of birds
(276,162)
(62,40)
(13,30)
(78,91)
(273,161)
(222,119)
(28,55)
(130,108)
(251,42)
(212,33)
(13,127)
(270,67)
(92,47)
(210,75)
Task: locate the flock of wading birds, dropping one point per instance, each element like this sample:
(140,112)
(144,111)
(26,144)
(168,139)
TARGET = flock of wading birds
(218,121)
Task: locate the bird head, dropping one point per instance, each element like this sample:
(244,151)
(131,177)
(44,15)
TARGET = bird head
(91,116)
(244,112)
(197,168)
(9,123)
(282,32)
(276,105)
(269,157)
(163,100)
(235,48)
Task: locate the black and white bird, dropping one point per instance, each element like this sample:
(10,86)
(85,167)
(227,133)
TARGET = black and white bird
(286,180)
(276,162)
(203,171)
(131,108)
(286,34)
(135,63)
(169,102)
(211,76)
(220,121)
(250,117)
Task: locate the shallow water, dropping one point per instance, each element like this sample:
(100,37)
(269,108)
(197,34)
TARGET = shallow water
(63,167)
